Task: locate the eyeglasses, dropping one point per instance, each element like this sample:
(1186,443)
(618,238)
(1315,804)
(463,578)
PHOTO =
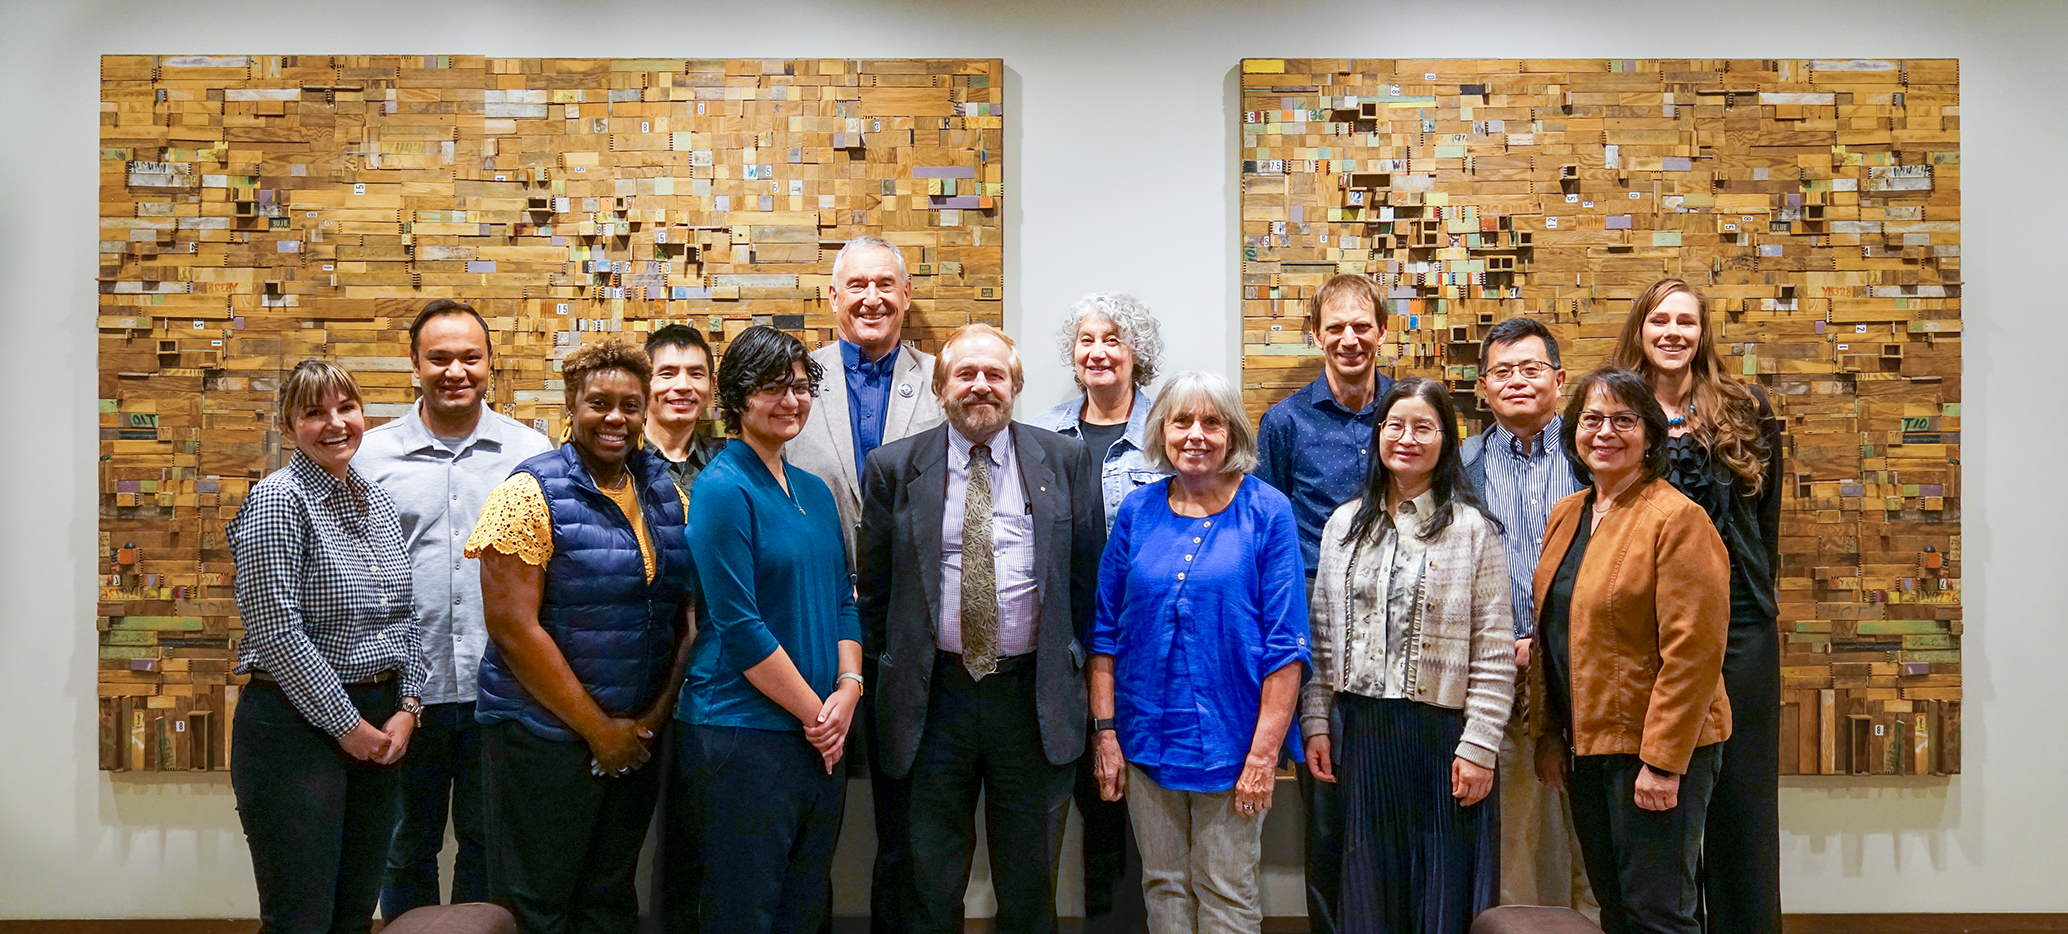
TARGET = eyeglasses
(1624,422)
(799,389)
(1528,369)
(1423,434)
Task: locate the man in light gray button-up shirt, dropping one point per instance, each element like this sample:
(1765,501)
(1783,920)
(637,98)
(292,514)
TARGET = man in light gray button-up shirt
(438,462)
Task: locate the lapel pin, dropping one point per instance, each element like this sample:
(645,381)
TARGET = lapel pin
(905,389)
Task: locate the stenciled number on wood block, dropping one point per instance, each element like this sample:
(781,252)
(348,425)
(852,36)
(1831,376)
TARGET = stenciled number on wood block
(259,210)
(1817,203)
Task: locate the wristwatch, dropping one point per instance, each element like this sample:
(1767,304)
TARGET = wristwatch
(415,710)
(1099,725)
(851,676)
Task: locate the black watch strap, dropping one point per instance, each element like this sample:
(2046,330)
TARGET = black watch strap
(1101,725)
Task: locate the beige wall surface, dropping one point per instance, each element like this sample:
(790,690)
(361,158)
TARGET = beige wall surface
(1122,131)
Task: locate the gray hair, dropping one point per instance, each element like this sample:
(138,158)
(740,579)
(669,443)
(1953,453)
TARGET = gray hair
(1130,317)
(866,242)
(1180,395)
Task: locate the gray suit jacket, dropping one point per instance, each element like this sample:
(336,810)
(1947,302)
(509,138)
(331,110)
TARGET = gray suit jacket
(904,490)
(826,444)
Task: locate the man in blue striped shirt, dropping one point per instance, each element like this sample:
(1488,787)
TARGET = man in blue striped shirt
(1519,470)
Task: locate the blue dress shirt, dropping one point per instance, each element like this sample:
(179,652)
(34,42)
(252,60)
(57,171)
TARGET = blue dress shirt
(1196,612)
(1519,491)
(868,397)
(1316,452)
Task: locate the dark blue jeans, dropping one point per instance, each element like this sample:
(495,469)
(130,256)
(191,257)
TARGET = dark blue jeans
(443,765)
(770,816)
(317,820)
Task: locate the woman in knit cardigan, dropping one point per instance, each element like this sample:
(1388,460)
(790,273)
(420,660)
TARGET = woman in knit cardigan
(1414,673)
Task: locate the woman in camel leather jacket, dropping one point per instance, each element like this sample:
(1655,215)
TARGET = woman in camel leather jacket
(1647,620)
(1633,613)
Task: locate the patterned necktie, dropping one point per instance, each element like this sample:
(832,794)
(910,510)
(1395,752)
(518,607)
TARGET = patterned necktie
(979,576)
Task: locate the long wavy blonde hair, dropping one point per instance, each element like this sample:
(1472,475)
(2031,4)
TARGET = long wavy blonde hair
(1726,413)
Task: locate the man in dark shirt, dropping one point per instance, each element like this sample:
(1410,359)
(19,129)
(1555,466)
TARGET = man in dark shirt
(678,396)
(1314,447)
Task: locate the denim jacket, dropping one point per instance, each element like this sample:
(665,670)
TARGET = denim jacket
(1123,468)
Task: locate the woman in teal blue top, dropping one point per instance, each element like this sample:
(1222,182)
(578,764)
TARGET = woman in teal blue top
(776,669)
(1198,649)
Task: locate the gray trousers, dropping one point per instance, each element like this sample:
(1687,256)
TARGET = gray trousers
(1199,859)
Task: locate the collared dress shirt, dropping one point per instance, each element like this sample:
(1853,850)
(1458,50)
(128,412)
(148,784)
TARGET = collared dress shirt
(1315,452)
(868,397)
(701,449)
(323,588)
(1122,467)
(1376,658)
(1012,544)
(1196,612)
(439,488)
(1519,492)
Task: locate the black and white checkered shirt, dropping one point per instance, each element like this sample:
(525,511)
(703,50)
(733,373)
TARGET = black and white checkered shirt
(323,585)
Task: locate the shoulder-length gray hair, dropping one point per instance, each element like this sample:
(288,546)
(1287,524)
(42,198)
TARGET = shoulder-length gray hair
(1130,317)
(1191,391)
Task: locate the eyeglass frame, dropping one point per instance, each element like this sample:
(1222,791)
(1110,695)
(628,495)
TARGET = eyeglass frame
(1494,376)
(1394,430)
(800,388)
(1623,423)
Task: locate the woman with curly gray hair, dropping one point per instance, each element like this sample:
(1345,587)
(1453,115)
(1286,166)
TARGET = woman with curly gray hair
(1111,342)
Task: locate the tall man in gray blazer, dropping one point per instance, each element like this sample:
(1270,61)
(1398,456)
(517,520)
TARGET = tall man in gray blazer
(876,388)
(977,567)
(876,392)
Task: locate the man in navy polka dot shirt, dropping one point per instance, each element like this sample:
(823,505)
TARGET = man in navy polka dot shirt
(1314,446)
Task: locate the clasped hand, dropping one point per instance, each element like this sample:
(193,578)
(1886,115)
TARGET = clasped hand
(383,746)
(827,732)
(620,747)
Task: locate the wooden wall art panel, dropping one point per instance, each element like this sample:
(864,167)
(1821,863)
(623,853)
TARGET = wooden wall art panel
(1817,203)
(259,210)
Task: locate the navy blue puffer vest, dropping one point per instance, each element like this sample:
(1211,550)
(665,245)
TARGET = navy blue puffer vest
(616,630)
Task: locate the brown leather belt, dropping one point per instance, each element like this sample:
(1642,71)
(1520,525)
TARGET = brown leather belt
(261,677)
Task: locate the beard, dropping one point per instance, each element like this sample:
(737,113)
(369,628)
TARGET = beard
(975,422)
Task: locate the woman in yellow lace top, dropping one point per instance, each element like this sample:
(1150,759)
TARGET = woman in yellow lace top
(584,573)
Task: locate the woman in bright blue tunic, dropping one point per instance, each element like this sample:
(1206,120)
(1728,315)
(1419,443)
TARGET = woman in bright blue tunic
(1198,650)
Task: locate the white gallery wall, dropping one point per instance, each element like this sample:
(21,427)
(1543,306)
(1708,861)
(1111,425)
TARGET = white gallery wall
(1121,140)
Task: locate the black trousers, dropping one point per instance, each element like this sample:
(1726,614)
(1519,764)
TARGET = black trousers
(676,878)
(770,816)
(890,879)
(1642,863)
(563,844)
(443,765)
(1324,850)
(1741,847)
(1112,866)
(317,820)
(982,738)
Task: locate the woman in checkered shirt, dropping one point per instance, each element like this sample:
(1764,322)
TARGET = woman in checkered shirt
(336,663)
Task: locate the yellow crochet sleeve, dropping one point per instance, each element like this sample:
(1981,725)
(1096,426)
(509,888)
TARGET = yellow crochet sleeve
(515,521)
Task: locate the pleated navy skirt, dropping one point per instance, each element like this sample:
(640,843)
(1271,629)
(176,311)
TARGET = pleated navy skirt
(1414,860)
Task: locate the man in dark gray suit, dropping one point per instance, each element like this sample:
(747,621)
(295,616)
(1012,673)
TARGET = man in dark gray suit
(978,561)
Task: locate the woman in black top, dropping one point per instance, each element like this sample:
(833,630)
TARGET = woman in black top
(1724,452)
